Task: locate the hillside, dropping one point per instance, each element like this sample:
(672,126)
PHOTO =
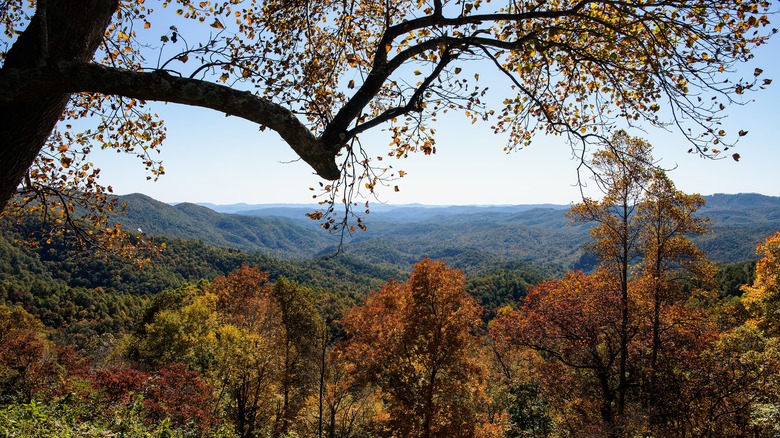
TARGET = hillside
(472,238)
(203,244)
(502,250)
(82,293)
(544,234)
(284,238)
(106,307)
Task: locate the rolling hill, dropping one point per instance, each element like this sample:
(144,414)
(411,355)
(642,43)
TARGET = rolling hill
(473,238)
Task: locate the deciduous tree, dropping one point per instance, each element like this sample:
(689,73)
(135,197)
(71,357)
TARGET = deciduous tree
(634,324)
(415,341)
(575,321)
(28,360)
(667,221)
(762,298)
(180,395)
(731,382)
(622,170)
(302,330)
(257,342)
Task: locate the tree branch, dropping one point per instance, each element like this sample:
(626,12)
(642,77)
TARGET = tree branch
(74,77)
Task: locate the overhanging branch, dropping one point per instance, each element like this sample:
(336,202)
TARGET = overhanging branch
(74,77)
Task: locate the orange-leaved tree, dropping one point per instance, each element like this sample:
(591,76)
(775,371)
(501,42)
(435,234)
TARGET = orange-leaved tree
(633,323)
(575,323)
(623,169)
(321,73)
(667,219)
(416,342)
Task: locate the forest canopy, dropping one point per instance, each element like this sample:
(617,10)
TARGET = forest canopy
(651,341)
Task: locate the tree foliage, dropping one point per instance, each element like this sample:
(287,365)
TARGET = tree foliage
(631,345)
(762,298)
(415,341)
(623,169)
(241,355)
(256,342)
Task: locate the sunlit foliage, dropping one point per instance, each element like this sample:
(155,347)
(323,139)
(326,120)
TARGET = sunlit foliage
(415,341)
(762,298)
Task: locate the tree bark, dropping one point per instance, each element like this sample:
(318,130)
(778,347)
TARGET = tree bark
(60,30)
(622,377)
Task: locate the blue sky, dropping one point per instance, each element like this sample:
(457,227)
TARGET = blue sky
(212,158)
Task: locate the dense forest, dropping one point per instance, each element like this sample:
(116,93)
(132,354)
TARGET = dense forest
(648,338)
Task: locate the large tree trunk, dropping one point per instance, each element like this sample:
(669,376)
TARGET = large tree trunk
(60,30)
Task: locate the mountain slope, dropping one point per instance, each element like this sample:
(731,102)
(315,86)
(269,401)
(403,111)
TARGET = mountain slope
(280,237)
(473,238)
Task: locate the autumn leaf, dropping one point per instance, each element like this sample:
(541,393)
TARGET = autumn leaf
(352,60)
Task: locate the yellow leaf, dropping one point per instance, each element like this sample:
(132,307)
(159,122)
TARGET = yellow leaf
(217,25)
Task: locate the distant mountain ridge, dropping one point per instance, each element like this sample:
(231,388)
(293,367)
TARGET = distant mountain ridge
(271,235)
(469,237)
(385,211)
